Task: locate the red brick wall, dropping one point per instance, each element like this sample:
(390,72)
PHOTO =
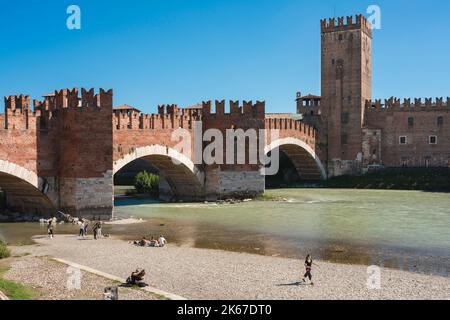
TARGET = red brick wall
(346,84)
(418,152)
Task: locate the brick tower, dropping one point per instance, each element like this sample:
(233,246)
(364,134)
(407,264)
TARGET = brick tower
(346,85)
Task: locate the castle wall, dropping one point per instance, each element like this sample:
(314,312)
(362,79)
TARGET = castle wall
(75,152)
(392,120)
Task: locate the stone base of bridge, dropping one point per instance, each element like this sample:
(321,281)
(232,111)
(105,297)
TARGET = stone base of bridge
(221,185)
(89,198)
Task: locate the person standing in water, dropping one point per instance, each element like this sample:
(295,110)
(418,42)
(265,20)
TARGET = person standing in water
(308,265)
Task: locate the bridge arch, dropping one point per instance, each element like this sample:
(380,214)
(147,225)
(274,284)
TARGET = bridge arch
(304,158)
(181,178)
(23,190)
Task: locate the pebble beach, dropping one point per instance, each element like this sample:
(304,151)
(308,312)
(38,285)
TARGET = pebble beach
(221,275)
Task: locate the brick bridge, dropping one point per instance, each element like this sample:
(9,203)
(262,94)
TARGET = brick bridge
(63,154)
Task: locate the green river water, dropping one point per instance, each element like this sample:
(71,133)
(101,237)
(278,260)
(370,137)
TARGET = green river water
(401,229)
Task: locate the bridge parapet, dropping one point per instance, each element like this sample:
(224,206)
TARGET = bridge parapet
(168,117)
(292,128)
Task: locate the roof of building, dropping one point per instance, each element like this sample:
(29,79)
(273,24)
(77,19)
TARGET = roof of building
(195,106)
(126,107)
(311,96)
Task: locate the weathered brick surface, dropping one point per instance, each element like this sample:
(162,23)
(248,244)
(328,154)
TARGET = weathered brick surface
(393,122)
(346,85)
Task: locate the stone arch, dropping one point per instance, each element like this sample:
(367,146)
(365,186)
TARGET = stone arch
(304,158)
(184,179)
(23,189)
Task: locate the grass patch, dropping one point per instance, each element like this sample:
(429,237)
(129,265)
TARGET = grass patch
(4,251)
(15,291)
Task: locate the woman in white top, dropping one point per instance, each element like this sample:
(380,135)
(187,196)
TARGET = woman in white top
(162,241)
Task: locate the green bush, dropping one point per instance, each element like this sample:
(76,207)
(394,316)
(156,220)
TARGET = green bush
(4,251)
(146,182)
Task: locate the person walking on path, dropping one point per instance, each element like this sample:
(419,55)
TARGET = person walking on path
(86,225)
(81,234)
(95,230)
(308,265)
(50,229)
(99,230)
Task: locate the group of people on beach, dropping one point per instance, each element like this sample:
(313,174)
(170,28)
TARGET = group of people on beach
(144,242)
(161,242)
(96,229)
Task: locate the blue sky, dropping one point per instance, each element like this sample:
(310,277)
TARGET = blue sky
(173,51)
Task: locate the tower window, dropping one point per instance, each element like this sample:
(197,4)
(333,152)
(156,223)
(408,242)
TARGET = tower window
(433,139)
(345,118)
(344,138)
(333,62)
(403,140)
(411,122)
(440,121)
(340,37)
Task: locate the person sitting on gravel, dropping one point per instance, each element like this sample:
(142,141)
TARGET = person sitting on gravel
(137,278)
(154,243)
(142,243)
(162,241)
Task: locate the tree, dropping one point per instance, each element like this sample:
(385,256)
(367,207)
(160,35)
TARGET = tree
(145,182)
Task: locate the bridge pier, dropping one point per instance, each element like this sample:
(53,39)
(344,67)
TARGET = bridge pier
(241,184)
(89,198)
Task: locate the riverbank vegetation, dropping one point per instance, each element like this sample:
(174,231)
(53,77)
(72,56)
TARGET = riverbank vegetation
(14,290)
(426,179)
(147,183)
(4,251)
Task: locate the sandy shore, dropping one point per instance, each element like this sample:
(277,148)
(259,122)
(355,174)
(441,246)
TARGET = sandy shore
(212,274)
(125,221)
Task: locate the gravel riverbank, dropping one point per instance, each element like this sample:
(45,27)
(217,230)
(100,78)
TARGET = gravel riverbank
(49,280)
(212,274)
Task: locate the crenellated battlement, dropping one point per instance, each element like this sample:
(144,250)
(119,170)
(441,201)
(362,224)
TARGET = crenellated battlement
(169,109)
(20,103)
(290,124)
(17,112)
(345,24)
(247,108)
(168,117)
(70,99)
(416,104)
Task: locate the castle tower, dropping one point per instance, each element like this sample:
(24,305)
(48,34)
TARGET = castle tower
(346,85)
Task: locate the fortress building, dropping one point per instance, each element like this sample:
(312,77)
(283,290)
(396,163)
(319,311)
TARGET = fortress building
(356,133)
(64,153)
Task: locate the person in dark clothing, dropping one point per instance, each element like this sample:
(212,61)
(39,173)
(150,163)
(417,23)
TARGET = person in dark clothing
(308,265)
(95,230)
(50,229)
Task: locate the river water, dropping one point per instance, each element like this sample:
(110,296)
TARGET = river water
(407,230)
